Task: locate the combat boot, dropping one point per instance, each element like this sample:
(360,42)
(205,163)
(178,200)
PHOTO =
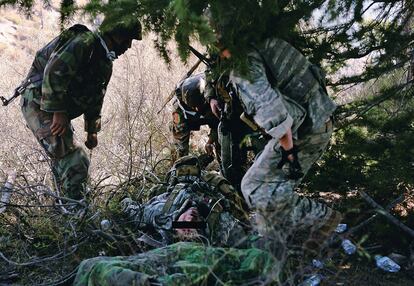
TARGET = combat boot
(320,233)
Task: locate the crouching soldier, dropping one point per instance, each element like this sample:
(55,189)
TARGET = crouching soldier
(68,78)
(190,112)
(197,205)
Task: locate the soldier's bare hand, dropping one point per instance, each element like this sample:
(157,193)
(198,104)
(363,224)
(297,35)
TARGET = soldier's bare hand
(209,149)
(60,123)
(215,107)
(91,140)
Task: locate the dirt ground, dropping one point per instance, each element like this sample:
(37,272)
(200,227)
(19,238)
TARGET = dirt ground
(366,273)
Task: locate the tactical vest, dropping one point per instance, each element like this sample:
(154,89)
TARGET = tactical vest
(288,70)
(184,195)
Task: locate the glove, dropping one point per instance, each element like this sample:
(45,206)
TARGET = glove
(209,148)
(91,141)
(295,170)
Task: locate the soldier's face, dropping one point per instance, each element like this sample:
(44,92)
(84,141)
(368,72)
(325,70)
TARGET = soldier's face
(224,52)
(191,214)
(121,45)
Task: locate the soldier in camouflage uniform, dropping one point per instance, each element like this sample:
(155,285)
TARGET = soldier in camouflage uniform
(190,112)
(239,141)
(182,263)
(68,78)
(204,198)
(287,97)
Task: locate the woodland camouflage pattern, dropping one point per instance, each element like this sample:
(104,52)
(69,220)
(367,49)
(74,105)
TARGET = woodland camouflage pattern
(183,123)
(285,90)
(75,72)
(182,263)
(186,118)
(223,205)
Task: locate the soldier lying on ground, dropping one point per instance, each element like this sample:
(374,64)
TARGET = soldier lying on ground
(197,205)
(68,78)
(190,112)
(207,201)
(183,263)
(210,203)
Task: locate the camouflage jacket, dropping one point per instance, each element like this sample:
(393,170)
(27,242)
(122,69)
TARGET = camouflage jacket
(216,200)
(283,89)
(76,72)
(185,121)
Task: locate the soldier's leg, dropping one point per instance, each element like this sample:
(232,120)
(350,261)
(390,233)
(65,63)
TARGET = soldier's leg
(311,148)
(181,134)
(73,170)
(313,145)
(70,161)
(279,209)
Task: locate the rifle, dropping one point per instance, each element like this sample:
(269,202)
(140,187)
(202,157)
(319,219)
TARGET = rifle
(21,88)
(200,56)
(201,59)
(189,73)
(16,93)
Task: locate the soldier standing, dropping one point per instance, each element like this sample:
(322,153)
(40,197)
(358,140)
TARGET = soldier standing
(68,78)
(286,96)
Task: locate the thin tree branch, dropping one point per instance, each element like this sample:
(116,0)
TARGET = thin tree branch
(386,214)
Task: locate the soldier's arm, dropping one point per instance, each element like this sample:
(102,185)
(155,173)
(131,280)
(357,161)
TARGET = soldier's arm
(61,68)
(92,116)
(264,102)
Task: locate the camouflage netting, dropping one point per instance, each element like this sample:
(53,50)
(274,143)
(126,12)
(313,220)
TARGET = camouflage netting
(183,263)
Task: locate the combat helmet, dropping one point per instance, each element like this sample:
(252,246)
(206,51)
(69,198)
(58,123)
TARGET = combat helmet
(186,166)
(191,90)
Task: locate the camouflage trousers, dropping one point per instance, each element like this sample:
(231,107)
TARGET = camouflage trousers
(183,263)
(70,162)
(280,212)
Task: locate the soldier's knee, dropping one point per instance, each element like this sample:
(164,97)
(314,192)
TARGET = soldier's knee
(76,162)
(248,187)
(57,147)
(268,196)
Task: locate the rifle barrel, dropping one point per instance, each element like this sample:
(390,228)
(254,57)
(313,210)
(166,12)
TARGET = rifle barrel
(172,93)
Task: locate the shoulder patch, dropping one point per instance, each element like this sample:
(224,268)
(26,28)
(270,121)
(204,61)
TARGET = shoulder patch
(176,118)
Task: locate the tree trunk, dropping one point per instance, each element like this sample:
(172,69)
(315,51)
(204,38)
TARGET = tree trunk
(409,29)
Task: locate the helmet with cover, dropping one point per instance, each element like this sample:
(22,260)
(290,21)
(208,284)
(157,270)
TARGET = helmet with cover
(187,166)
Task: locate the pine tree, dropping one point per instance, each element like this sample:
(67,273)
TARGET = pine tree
(343,32)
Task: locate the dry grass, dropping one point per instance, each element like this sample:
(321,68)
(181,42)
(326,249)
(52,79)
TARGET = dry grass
(13,17)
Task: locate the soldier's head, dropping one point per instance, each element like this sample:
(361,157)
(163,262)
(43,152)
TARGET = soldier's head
(120,31)
(192,92)
(186,166)
(189,215)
